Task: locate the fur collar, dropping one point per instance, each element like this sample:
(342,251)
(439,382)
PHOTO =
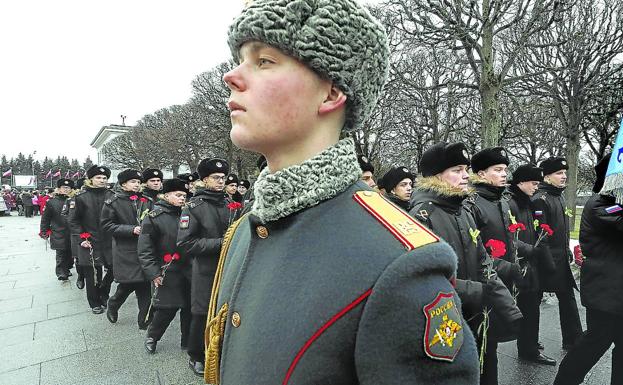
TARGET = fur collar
(436,185)
(305,185)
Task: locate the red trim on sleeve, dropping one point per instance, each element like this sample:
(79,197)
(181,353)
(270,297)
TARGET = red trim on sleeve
(322,329)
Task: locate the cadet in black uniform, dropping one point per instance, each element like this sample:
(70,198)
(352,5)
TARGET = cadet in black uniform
(60,237)
(601,240)
(121,217)
(550,208)
(524,184)
(152,183)
(231,188)
(84,220)
(75,239)
(398,183)
(202,224)
(158,239)
(331,279)
(438,203)
(368,171)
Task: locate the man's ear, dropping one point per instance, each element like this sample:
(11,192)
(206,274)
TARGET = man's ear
(335,100)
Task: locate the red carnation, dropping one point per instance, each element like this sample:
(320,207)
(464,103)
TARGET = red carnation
(545,227)
(175,256)
(133,197)
(167,258)
(234,206)
(516,227)
(143,199)
(497,248)
(47,233)
(85,235)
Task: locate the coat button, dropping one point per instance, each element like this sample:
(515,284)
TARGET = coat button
(262,232)
(235,319)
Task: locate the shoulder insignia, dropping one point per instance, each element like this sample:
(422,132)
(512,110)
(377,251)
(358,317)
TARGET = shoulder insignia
(194,203)
(154,213)
(613,209)
(80,193)
(443,335)
(110,200)
(407,230)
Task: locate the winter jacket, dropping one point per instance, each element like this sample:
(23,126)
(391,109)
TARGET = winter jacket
(158,238)
(404,205)
(532,260)
(84,216)
(120,215)
(550,208)
(26,199)
(43,201)
(440,207)
(151,194)
(601,240)
(53,220)
(490,209)
(203,222)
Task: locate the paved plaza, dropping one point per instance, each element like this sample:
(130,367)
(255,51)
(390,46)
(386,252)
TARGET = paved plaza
(49,336)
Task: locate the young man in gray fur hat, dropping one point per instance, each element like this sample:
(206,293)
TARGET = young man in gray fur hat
(334,282)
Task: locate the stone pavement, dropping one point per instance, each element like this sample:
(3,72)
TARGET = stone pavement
(48,334)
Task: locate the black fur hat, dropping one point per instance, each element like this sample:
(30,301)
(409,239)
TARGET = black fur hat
(169,185)
(98,170)
(80,183)
(365,164)
(553,164)
(65,182)
(129,174)
(231,178)
(211,166)
(261,162)
(526,173)
(489,157)
(395,175)
(151,173)
(442,156)
(245,183)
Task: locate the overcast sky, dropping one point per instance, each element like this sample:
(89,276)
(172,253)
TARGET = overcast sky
(69,67)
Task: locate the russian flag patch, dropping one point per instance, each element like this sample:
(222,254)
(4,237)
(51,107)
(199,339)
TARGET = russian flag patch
(613,209)
(538,213)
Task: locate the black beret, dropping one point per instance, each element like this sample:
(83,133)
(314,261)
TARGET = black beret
(365,164)
(211,166)
(261,162)
(442,156)
(394,176)
(489,157)
(526,173)
(245,183)
(151,173)
(553,164)
(98,170)
(231,178)
(600,172)
(176,184)
(65,182)
(129,174)
(79,183)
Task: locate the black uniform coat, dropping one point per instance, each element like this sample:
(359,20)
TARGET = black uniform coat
(159,237)
(491,213)
(84,216)
(119,218)
(151,194)
(334,262)
(440,207)
(202,225)
(52,219)
(549,207)
(404,205)
(601,240)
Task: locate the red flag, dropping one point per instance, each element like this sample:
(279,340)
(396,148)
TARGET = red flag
(9,172)
(48,174)
(76,175)
(67,174)
(57,174)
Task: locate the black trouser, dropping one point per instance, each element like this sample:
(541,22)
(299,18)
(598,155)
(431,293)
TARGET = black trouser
(570,324)
(162,319)
(35,209)
(489,375)
(109,277)
(196,338)
(95,293)
(143,297)
(79,271)
(28,211)
(603,329)
(64,262)
(528,340)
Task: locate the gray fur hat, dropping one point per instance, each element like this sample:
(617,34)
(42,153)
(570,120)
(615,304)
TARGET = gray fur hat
(337,39)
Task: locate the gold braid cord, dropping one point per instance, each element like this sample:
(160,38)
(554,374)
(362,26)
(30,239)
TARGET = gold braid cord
(215,327)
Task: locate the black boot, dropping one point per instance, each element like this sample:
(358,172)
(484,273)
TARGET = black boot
(150,345)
